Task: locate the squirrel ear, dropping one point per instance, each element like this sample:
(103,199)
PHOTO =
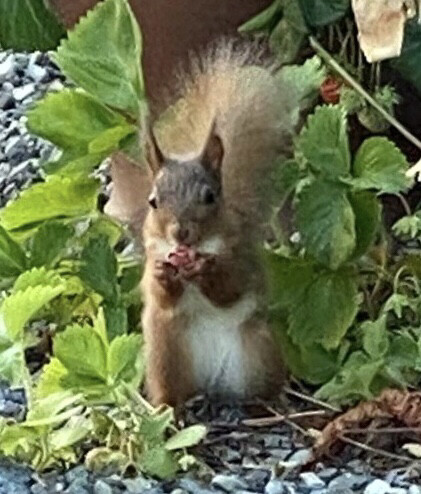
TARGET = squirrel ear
(154,156)
(213,153)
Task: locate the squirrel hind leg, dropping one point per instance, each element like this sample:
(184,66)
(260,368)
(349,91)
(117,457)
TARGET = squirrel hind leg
(266,371)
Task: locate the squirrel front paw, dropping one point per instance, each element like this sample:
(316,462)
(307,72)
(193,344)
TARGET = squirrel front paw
(199,268)
(167,276)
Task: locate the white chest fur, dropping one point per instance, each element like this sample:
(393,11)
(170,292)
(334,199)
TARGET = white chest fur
(215,338)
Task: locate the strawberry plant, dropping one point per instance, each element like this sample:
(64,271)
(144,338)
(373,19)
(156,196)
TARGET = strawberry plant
(62,263)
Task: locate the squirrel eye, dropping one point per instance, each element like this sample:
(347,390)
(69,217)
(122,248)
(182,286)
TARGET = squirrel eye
(152,201)
(208,197)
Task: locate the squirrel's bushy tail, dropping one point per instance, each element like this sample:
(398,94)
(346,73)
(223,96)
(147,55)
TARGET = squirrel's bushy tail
(253,116)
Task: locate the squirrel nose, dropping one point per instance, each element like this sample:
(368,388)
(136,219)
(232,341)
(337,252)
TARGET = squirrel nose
(182,234)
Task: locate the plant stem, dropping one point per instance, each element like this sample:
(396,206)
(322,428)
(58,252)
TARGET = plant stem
(352,82)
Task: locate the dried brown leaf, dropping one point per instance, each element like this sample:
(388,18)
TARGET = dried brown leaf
(381,26)
(395,404)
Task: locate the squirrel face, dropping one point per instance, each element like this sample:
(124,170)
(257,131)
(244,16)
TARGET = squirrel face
(186,195)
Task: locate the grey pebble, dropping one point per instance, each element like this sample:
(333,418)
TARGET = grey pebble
(137,485)
(78,486)
(377,486)
(327,473)
(179,491)
(76,473)
(193,487)
(229,483)
(311,480)
(38,489)
(7,68)
(275,486)
(301,456)
(21,93)
(414,489)
(348,480)
(36,72)
(102,487)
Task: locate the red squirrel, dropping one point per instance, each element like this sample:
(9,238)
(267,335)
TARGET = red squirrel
(210,155)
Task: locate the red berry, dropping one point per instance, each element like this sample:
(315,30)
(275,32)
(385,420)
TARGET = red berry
(330,90)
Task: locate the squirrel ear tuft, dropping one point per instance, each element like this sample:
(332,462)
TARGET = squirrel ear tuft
(154,157)
(213,153)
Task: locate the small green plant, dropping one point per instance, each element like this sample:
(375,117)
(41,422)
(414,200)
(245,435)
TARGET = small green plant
(61,262)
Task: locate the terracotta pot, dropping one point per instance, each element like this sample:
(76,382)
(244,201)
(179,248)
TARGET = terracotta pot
(170,28)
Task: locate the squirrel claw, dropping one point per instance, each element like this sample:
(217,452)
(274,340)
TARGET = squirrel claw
(166,274)
(197,268)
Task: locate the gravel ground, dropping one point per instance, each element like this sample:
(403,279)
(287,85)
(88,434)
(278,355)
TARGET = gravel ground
(240,458)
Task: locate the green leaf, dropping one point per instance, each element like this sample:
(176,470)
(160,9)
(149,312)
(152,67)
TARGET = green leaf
(153,427)
(38,277)
(186,438)
(381,166)
(50,380)
(130,279)
(304,79)
(49,242)
(288,278)
(13,367)
(72,433)
(353,382)
(71,163)
(403,351)
(116,317)
(73,120)
(408,63)
(99,268)
(124,358)
(110,69)
(318,13)
(367,212)
(311,363)
(326,222)
(287,37)
(375,338)
(324,141)
(325,310)
(12,257)
(159,462)
(56,198)
(82,352)
(265,20)
(28,25)
(408,226)
(18,308)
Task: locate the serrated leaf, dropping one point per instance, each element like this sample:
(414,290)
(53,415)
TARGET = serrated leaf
(38,277)
(13,365)
(153,426)
(312,363)
(49,410)
(12,257)
(324,141)
(318,13)
(73,432)
(159,462)
(288,278)
(49,242)
(116,317)
(326,222)
(186,438)
(83,353)
(18,308)
(99,268)
(28,25)
(324,310)
(50,380)
(408,226)
(289,33)
(304,79)
(367,212)
(130,279)
(57,197)
(109,70)
(403,351)
(85,129)
(375,338)
(381,166)
(353,382)
(124,358)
